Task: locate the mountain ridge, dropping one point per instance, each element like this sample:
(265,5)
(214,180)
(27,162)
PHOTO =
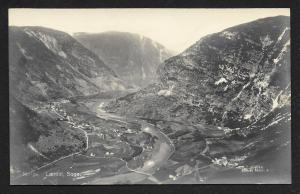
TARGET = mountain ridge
(218,75)
(46,60)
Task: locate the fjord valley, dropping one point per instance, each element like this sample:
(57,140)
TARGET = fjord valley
(120,108)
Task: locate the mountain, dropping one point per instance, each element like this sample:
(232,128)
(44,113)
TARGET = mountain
(38,137)
(133,57)
(219,110)
(48,64)
(231,78)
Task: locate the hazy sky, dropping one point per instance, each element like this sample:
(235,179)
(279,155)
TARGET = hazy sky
(176,29)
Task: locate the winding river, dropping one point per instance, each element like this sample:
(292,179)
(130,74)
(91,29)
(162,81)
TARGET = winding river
(80,168)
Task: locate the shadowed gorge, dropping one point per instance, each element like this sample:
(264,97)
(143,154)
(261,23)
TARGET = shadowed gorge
(133,57)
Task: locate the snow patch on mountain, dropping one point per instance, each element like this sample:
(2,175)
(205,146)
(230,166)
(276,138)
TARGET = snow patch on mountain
(273,123)
(283,51)
(49,41)
(266,41)
(62,54)
(117,86)
(239,94)
(282,34)
(275,101)
(247,116)
(263,83)
(166,93)
(41,86)
(226,87)
(58,67)
(221,80)
(229,35)
(252,42)
(23,51)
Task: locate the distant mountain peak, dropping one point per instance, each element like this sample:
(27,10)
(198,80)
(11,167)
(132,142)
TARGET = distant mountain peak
(133,57)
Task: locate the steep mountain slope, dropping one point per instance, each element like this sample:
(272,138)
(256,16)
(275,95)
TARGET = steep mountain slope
(47,64)
(133,57)
(231,78)
(37,137)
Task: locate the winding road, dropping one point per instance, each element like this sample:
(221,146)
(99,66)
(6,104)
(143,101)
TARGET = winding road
(162,150)
(165,149)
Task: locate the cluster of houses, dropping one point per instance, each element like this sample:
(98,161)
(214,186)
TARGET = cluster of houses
(54,106)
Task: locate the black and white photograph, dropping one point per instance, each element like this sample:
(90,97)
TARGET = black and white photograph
(126,96)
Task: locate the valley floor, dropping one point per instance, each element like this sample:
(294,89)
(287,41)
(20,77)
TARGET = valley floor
(122,150)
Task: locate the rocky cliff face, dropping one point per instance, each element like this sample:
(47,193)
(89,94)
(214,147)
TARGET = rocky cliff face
(231,78)
(47,64)
(133,57)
